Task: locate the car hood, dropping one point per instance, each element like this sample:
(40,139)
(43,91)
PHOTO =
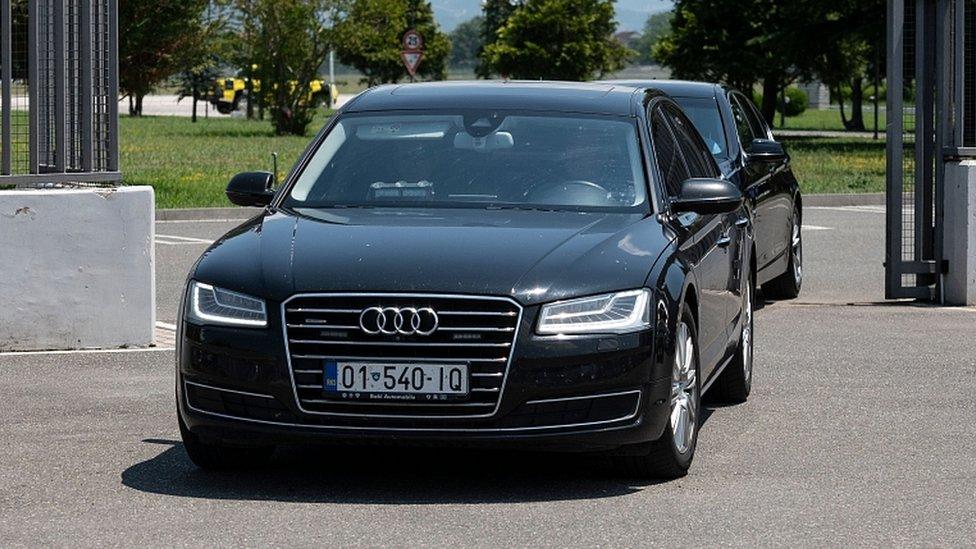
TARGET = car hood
(532,256)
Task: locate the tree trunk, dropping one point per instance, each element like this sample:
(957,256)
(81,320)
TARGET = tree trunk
(138,111)
(857,103)
(840,101)
(193,117)
(769,96)
(782,106)
(132,107)
(250,95)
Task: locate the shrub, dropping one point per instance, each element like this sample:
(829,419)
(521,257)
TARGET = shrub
(796,101)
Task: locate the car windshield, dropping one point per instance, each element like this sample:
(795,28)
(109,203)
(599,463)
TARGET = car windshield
(704,113)
(474,159)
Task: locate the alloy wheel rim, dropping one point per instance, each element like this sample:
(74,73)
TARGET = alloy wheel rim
(797,248)
(684,391)
(747,334)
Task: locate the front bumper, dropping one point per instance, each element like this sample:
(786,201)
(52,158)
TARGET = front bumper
(581,393)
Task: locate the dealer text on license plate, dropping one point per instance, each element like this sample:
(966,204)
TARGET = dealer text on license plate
(395,381)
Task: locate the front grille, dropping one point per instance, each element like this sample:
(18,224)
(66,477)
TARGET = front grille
(477,331)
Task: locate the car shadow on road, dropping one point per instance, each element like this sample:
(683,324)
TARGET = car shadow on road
(387,475)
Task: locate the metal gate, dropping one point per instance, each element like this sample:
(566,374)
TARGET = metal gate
(927,77)
(58,92)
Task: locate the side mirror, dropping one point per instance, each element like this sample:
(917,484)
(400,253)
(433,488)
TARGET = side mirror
(766,150)
(707,196)
(251,189)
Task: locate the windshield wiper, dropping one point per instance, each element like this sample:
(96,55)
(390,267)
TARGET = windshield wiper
(522,207)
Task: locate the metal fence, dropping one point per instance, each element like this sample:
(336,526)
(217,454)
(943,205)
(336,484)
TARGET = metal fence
(931,84)
(59,100)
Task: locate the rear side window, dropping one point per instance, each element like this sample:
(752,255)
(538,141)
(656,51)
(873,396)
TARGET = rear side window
(753,119)
(742,126)
(697,156)
(674,172)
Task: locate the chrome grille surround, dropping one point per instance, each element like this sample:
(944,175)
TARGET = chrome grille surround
(401,410)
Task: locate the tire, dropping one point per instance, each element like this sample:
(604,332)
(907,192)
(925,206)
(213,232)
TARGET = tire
(666,457)
(787,285)
(735,382)
(221,457)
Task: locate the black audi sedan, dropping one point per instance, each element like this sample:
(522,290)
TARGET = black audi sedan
(749,155)
(530,265)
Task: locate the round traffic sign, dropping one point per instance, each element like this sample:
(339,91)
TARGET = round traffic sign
(413,41)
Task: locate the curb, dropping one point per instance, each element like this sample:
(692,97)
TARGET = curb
(205,214)
(865,199)
(211,214)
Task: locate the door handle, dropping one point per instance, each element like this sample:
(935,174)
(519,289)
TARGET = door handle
(724,240)
(741,222)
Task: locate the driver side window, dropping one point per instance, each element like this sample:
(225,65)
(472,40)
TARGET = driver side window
(670,163)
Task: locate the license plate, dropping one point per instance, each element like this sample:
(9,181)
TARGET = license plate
(395,381)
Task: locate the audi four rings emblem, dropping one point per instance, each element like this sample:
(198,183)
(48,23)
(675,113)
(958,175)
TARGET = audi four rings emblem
(398,320)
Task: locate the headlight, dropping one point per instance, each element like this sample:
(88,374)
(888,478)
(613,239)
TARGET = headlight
(615,313)
(210,305)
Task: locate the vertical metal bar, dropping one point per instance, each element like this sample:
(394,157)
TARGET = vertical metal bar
(113,85)
(85,82)
(959,73)
(60,87)
(6,60)
(946,87)
(894,168)
(925,24)
(33,82)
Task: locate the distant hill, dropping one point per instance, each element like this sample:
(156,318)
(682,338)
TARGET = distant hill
(630,13)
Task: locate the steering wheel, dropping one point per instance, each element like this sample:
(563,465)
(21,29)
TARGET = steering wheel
(570,193)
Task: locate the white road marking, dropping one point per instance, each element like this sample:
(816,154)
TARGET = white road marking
(200,220)
(86,351)
(166,325)
(859,209)
(174,240)
(816,228)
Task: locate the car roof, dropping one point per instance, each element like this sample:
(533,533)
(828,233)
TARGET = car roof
(674,88)
(595,98)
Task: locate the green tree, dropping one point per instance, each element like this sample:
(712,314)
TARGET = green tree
(290,41)
(152,33)
(558,40)
(369,33)
(770,42)
(495,14)
(849,55)
(656,26)
(466,43)
(200,57)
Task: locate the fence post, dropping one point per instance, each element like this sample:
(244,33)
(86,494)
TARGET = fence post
(85,82)
(7,71)
(894,136)
(113,85)
(60,88)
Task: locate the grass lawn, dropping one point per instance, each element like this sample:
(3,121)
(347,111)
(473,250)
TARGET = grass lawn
(190,164)
(838,165)
(829,120)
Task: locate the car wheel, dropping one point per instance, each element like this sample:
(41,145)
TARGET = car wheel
(787,285)
(217,456)
(670,455)
(735,382)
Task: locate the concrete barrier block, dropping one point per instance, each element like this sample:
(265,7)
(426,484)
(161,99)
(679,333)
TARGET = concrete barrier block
(959,244)
(77,268)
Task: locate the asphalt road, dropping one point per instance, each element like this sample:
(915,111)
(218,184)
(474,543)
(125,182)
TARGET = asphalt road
(860,431)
